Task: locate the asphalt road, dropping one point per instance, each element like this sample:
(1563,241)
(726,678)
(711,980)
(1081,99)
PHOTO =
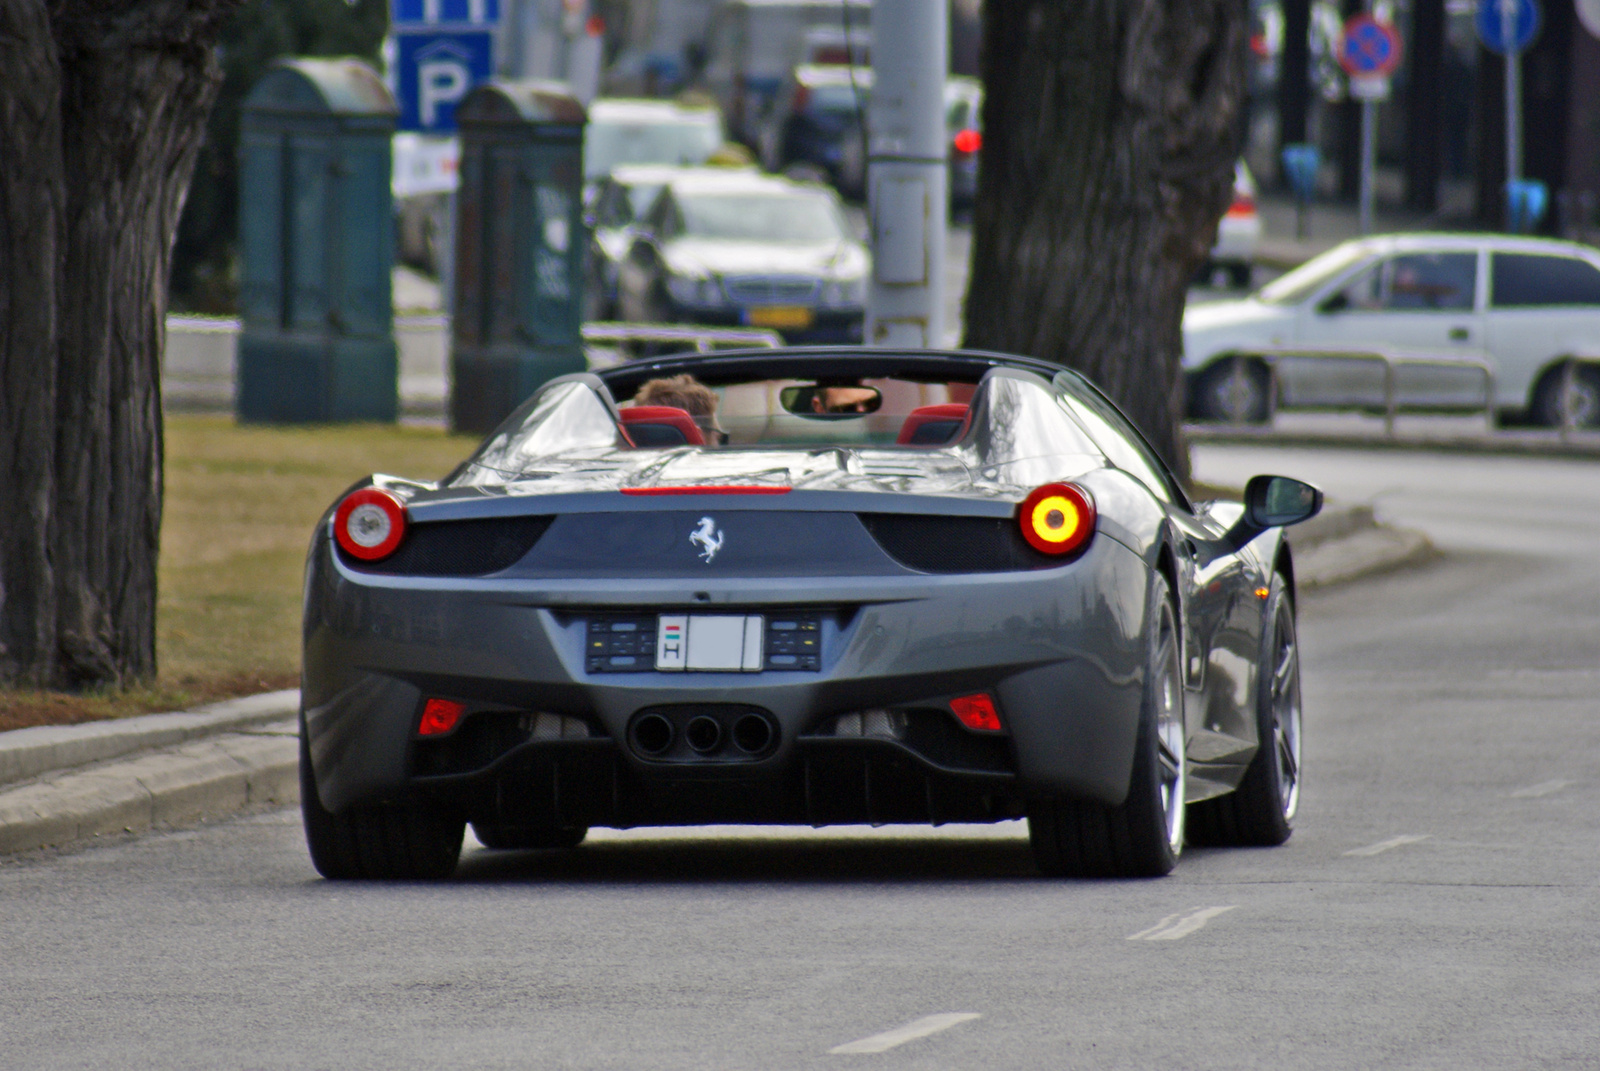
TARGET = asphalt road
(1438,907)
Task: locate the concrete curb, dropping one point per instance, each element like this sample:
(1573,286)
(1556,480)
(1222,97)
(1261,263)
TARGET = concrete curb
(200,779)
(74,783)
(27,753)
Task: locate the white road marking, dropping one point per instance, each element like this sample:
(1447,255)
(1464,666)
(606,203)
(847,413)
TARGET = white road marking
(1543,789)
(1174,927)
(1392,842)
(928,1024)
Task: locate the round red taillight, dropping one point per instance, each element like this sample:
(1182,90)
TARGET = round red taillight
(370,523)
(969,140)
(1058,518)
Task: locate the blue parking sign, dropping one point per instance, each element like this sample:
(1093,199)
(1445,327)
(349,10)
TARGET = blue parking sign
(433,71)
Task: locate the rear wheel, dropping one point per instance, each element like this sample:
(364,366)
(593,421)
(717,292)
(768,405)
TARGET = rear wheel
(1261,810)
(1143,836)
(409,841)
(1553,408)
(525,838)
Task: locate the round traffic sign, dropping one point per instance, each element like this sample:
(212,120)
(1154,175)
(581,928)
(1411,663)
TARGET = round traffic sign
(1491,21)
(1369,46)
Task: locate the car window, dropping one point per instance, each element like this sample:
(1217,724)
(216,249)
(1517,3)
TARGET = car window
(616,207)
(1118,439)
(1414,281)
(1522,280)
(1313,275)
(761,217)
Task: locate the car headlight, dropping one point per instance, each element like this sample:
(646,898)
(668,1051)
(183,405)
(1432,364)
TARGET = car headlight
(701,292)
(842,292)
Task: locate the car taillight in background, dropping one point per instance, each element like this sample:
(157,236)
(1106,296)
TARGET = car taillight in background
(1057,518)
(967,141)
(1243,205)
(370,523)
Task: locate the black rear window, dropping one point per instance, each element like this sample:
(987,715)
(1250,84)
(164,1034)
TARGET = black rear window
(1525,280)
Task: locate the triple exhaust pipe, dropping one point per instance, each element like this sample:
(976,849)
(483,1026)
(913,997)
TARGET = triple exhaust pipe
(750,735)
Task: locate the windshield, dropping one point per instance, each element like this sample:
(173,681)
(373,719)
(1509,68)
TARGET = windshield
(1310,277)
(762,217)
(609,144)
(1009,429)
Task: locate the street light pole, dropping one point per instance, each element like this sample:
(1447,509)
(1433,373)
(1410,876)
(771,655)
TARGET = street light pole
(1508,34)
(907,173)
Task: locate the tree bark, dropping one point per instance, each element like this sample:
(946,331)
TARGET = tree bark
(118,94)
(1111,130)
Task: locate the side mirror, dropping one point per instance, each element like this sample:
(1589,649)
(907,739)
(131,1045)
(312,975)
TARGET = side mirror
(1269,502)
(1276,501)
(1337,303)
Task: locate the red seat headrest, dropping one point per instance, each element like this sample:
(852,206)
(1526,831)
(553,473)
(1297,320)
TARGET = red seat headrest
(661,425)
(932,425)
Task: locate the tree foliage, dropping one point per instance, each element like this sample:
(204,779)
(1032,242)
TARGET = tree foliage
(253,37)
(102,106)
(1111,129)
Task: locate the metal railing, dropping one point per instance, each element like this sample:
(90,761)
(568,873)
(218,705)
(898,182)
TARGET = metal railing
(1392,359)
(606,343)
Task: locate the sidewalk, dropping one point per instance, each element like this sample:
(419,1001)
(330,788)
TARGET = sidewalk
(71,785)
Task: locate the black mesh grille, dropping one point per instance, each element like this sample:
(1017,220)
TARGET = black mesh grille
(458,548)
(955,544)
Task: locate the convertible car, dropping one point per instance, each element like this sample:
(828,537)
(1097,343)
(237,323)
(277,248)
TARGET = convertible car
(827,586)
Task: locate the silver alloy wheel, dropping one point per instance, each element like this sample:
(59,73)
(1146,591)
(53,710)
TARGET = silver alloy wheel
(1286,709)
(1170,734)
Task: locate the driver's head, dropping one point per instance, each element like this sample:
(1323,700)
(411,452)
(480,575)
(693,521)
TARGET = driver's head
(843,400)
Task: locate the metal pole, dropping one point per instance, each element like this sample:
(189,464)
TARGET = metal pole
(907,173)
(1369,162)
(1508,37)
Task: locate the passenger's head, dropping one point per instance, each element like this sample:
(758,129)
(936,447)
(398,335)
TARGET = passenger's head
(689,394)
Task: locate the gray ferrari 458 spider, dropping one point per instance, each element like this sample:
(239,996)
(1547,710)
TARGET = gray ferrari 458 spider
(802,587)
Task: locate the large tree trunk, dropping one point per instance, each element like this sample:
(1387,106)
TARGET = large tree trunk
(1111,129)
(110,99)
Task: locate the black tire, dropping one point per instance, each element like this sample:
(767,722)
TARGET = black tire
(528,838)
(1143,836)
(1546,409)
(394,841)
(1232,392)
(1260,812)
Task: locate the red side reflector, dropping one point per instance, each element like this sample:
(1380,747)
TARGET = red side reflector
(711,489)
(439,716)
(968,141)
(977,713)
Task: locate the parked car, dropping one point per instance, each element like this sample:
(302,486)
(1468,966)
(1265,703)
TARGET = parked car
(1524,305)
(736,247)
(617,203)
(754,44)
(424,173)
(1238,232)
(839,595)
(814,130)
(623,130)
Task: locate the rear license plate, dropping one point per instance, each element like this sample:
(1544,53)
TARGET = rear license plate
(781,316)
(711,643)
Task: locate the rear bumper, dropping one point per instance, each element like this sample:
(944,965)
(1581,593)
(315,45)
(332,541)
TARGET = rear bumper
(1060,651)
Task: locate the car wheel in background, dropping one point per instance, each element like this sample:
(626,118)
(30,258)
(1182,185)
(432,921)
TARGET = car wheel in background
(1548,404)
(515,838)
(1239,275)
(1261,810)
(398,841)
(1232,392)
(1143,836)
